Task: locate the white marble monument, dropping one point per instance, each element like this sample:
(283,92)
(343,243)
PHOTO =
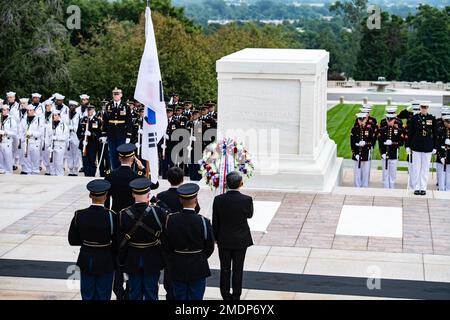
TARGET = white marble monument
(276,101)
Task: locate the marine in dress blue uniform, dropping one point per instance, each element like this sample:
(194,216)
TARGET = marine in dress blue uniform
(189,242)
(94,229)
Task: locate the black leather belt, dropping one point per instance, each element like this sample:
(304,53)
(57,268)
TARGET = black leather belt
(95,244)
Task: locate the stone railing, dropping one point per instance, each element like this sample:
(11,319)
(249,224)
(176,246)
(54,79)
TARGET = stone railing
(394,85)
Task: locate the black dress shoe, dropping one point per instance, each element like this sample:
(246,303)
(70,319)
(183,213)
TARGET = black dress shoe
(24,173)
(15,168)
(48,174)
(81,170)
(417,193)
(423,193)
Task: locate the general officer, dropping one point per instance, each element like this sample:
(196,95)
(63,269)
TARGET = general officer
(422,145)
(361,142)
(189,242)
(117,126)
(120,195)
(140,229)
(94,229)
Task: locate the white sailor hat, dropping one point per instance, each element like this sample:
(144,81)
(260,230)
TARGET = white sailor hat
(59,96)
(56,111)
(84,96)
(10,94)
(361,115)
(36,95)
(73,103)
(24,100)
(48,102)
(391,109)
(30,107)
(4,106)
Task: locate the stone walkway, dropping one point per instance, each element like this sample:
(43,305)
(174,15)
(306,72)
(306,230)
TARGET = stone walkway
(35,213)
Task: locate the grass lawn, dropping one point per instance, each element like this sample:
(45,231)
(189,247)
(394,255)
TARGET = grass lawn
(340,122)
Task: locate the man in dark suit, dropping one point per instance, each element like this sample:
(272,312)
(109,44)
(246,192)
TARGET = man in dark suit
(232,233)
(170,197)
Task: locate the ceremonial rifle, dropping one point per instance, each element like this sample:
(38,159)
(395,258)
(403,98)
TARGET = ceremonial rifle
(86,138)
(53,145)
(2,127)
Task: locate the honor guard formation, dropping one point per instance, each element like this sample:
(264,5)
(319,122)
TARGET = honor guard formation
(53,138)
(424,136)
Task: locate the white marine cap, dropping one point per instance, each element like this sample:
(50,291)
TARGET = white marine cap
(59,96)
(73,103)
(56,111)
(36,95)
(48,102)
(391,115)
(84,96)
(24,100)
(10,94)
(361,115)
(365,110)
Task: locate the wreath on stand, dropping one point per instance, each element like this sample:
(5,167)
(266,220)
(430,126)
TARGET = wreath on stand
(223,157)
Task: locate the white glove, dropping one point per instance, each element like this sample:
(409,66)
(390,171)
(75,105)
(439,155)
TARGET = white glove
(443,161)
(50,150)
(103,140)
(357,157)
(193,139)
(70,128)
(434,151)
(127,140)
(54,138)
(447,142)
(163,146)
(88,133)
(2,132)
(30,134)
(408,151)
(85,143)
(140,131)
(166,137)
(137,145)
(388,143)
(383,156)
(362,143)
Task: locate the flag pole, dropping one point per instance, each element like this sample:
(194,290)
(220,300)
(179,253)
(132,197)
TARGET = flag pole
(147,169)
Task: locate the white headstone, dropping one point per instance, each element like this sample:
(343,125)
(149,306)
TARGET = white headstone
(276,101)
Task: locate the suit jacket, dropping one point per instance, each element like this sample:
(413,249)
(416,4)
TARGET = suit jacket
(230,226)
(171,200)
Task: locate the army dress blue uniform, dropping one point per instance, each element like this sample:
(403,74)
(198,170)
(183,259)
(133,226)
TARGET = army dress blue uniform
(117,127)
(143,259)
(189,242)
(95,230)
(93,125)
